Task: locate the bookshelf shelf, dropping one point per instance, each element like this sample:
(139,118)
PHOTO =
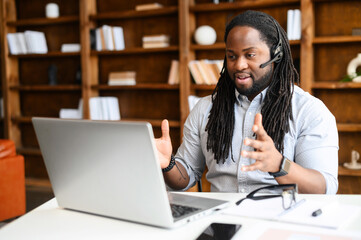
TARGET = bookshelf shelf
(203,87)
(29,151)
(43,21)
(47,88)
(47,55)
(135,14)
(150,86)
(342,171)
(136,50)
(155,122)
(221,46)
(336,85)
(208,7)
(349,127)
(336,39)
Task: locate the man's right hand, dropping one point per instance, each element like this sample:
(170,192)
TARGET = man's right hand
(164,145)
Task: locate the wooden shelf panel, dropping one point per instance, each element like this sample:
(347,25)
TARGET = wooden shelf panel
(203,87)
(216,46)
(154,122)
(208,7)
(222,45)
(138,50)
(135,14)
(43,21)
(336,85)
(29,151)
(47,88)
(342,171)
(150,86)
(336,39)
(47,55)
(38,183)
(316,1)
(349,127)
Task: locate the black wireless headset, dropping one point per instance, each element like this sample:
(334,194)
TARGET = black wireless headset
(276,51)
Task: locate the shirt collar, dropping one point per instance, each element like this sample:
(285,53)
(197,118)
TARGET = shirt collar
(259,98)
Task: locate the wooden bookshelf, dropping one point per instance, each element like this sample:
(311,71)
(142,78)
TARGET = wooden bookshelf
(323,54)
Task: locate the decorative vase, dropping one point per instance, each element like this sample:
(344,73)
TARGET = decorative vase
(352,66)
(52,10)
(205,35)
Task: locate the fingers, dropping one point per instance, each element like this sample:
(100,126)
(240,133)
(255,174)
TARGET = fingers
(256,144)
(165,129)
(258,127)
(252,167)
(253,155)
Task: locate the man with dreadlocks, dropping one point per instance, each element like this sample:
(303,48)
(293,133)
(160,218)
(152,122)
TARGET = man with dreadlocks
(258,127)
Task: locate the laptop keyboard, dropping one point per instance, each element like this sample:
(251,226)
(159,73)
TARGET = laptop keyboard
(180,210)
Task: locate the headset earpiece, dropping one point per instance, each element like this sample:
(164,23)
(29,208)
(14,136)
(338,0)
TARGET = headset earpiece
(276,51)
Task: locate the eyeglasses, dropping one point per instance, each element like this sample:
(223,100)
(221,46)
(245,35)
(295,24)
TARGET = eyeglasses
(288,193)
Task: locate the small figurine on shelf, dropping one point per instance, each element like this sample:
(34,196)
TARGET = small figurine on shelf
(352,74)
(355,156)
(52,74)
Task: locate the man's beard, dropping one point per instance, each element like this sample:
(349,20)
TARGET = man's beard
(257,86)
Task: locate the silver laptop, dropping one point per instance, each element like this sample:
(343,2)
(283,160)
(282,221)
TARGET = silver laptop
(111,169)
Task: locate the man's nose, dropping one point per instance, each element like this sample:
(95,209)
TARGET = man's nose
(241,63)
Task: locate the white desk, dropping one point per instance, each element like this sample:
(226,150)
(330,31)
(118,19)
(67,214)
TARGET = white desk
(51,222)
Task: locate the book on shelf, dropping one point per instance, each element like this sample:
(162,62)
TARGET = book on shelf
(104,108)
(107,38)
(156,38)
(122,78)
(27,42)
(35,42)
(156,41)
(148,6)
(155,44)
(72,113)
(173,77)
(205,71)
(294,24)
(70,47)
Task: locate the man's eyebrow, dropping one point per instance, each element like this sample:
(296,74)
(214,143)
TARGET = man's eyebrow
(243,50)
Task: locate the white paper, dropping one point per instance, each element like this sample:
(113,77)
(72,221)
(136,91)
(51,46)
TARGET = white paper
(271,209)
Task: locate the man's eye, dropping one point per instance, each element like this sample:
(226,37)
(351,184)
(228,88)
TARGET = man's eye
(231,57)
(251,55)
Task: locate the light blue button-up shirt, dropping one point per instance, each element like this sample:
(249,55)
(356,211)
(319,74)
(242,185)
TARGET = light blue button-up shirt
(312,142)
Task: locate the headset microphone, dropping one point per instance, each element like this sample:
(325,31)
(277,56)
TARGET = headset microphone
(275,59)
(277,51)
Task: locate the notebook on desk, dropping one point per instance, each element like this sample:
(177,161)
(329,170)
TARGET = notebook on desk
(111,169)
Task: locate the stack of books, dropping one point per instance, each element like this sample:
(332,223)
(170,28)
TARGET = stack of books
(122,78)
(104,108)
(155,41)
(108,38)
(205,71)
(27,42)
(148,6)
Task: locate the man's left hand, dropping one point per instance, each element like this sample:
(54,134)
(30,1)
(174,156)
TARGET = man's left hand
(268,158)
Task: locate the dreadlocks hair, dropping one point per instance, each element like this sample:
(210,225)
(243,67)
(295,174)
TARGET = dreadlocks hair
(276,107)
